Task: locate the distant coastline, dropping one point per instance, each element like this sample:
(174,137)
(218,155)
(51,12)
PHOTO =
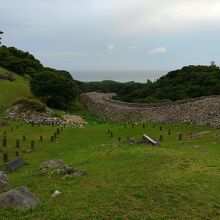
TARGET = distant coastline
(121,76)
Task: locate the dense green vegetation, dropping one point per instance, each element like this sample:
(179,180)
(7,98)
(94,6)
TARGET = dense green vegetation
(188,82)
(55,87)
(55,90)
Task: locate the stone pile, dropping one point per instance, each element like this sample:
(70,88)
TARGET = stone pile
(198,111)
(31,116)
(74,119)
(58,167)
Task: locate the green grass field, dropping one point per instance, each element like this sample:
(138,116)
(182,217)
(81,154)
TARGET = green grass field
(178,180)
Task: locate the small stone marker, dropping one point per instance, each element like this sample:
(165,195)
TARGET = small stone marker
(14,164)
(150,141)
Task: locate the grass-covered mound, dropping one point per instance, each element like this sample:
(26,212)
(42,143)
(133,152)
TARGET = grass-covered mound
(12,90)
(178,180)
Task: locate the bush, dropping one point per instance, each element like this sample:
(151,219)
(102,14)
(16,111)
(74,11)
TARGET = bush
(30,104)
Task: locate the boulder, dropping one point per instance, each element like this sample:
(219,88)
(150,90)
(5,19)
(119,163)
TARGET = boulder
(52,164)
(4,184)
(19,198)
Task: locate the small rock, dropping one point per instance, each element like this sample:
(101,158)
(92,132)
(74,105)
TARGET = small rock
(55,194)
(19,198)
(69,171)
(4,184)
(52,164)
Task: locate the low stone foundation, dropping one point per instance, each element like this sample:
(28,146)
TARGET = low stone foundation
(199,111)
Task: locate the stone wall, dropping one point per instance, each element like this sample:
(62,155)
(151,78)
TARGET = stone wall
(199,111)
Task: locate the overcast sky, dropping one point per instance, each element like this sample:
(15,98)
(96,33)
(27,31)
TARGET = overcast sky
(114,34)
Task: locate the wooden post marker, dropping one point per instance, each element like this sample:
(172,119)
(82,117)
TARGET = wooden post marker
(51,139)
(143,125)
(4,133)
(55,135)
(132,125)
(169,132)
(111,134)
(17,153)
(4,142)
(119,139)
(161,128)
(17,143)
(125,126)
(180,136)
(32,144)
(108,131)
(23,138)
(58,131)
(41,138)
(5,157)
(161,137)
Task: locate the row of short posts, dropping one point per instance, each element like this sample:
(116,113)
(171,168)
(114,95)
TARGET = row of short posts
(17,143)
(143,125)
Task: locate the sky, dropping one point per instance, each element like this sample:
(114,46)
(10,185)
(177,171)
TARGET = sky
(114,34)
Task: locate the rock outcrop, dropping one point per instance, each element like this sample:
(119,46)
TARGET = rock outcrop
(199,111)
(19,198)
(4,183)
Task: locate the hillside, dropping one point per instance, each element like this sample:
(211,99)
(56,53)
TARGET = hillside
(185,83)
(11,90)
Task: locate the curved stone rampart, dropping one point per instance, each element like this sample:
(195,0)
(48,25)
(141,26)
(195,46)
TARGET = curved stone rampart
(199,111)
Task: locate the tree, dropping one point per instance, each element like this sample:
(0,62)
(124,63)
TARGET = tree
(0,37)
(55,90)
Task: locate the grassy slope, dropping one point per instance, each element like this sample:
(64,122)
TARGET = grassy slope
(10,91)
(179,180)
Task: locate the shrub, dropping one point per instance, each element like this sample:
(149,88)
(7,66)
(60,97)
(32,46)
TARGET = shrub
(31,104)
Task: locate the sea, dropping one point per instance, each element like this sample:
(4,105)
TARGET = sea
(120,76)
